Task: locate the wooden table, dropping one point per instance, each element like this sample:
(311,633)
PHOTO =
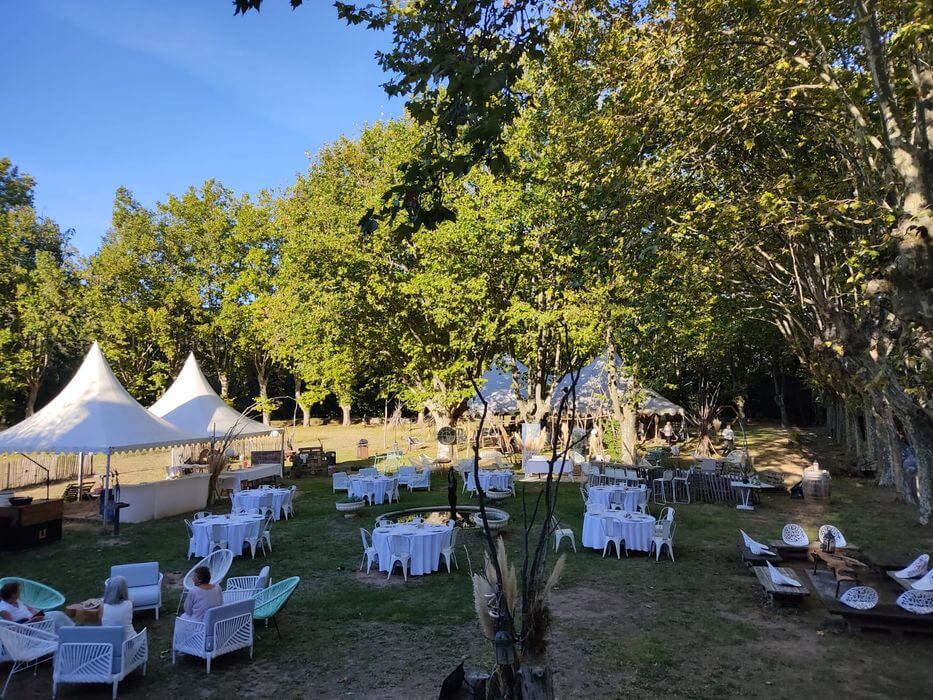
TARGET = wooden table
(745,491)
(844,568)
(83,615)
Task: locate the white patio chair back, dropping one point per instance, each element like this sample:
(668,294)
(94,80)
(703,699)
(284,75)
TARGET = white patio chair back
(663,535)
(202,514)
(340,481)
(25,646)
(218,562)
(218,537)
(838,537)
(667,513)
(449,550)
(368,472)
(400,552)
(267,505)
(612,531)
(794,535)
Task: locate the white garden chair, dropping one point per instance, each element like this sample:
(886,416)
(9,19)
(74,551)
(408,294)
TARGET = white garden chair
(663,535)
(612,531)
(392,490)
(399,553)
(218,537)
(838,537)
(192,549)
(25,646)
(667,513)
(202,514)
(449,550)
(370,554)
(218,562)
(267,505)
(561,533)
(420,481)
(243,587)
(288,506)
(226,628)
(265,534)
(667,477)
(341,482)
(794,535)
(88,655)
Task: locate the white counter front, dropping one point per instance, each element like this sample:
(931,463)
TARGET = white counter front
(161,499)
(234,479)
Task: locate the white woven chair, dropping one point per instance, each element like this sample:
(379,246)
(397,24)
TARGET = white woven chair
(218,562)
(192,550)
(226,628)
(838,537)
(420,481)
(860,598)
(794,535)
(87,655)
(370,554)
(449,550)
(340,482)
(663,535)
(562,533)
(25,646)
(399,553)
(612,531)
(243,587)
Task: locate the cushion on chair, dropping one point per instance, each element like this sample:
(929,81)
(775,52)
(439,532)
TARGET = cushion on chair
(96,635)
(224,612)
(144,574)
(263,580)
(144,596)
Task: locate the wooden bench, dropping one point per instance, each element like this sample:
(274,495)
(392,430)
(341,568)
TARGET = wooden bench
(789,551)
(781,595)
(757,559)
(76,492)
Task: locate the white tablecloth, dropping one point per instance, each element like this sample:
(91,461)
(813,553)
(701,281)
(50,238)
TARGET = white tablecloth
(232,479)
(236,529)
(628,497)
(499,480)
(251,498)
(378,487)
(539,465)
(637,530)
(426,544)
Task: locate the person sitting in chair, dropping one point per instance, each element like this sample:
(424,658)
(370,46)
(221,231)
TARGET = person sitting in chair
(204,596)
(13,609)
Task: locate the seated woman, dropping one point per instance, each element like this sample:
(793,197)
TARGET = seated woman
(14,610)
(117,608)
(204,596)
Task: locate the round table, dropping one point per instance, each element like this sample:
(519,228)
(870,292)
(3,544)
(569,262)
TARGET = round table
(236,528)
(251,498)
(377,488)
(629,497)
(637,529)
(491,479)
(426,541)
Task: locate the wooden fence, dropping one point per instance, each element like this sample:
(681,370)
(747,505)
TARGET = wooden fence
(17,472)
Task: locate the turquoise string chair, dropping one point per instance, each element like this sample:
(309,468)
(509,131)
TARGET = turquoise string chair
(36,595)
(271,600)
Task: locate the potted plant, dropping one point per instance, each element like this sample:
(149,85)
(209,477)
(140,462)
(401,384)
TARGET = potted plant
(350,504)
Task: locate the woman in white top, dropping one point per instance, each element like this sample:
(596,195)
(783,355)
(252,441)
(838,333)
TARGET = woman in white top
(117,608)
(15,610)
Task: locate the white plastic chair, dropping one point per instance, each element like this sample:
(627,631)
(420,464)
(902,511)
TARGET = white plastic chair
(667,477)
(218,563)
(561,533)
(224,629)
(192,549)
(612,531)
(288,507)
(667,513)
(92,661)
(400,553)
(370,554)
(202,514)
(449,550)
(218,537)
(25,646)
(420,481)
(794,535)
(341,482)
(392,490)
(663,535)
(265,534)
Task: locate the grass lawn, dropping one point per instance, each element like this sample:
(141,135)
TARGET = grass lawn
(632,628)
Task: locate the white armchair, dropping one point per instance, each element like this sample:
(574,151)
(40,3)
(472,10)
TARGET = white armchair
(243,587)
(420,481)
(98,655)
(341,482)
(144,582)
(26,646)
(226,628)
(405,474)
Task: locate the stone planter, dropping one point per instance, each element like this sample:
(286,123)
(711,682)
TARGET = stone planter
(495,520)
(497,495)
(349,508)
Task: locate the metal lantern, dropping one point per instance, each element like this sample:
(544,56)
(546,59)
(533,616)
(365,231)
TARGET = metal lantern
(828,544)
(505,650)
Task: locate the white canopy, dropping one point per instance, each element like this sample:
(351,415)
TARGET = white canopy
(592,392)
(192,405)
(93,413)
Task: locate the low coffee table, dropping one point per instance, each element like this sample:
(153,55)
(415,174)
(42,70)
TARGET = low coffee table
(84,613)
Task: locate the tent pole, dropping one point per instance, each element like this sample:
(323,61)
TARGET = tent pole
(106,487)
(80,474)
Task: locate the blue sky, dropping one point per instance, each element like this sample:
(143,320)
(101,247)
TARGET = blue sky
(161,95)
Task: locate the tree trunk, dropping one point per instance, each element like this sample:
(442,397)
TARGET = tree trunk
(31,397)
(345,406)
(422,416)
(778,377)
(224,380)
(305,413)
(263,380)
(628,433)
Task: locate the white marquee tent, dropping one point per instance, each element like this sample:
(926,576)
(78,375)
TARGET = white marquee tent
(92,414)
(192,405)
